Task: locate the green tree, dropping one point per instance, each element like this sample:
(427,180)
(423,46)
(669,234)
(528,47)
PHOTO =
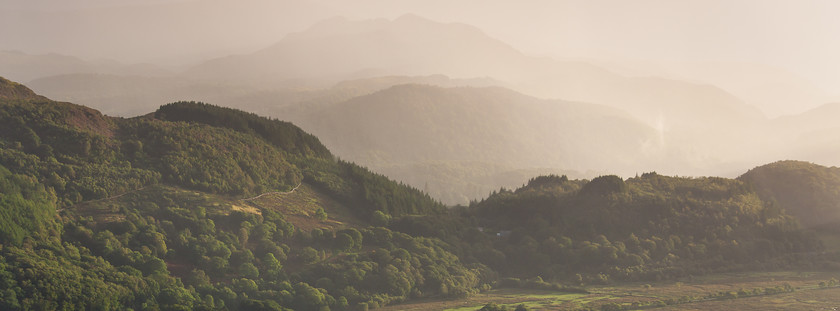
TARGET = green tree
(307,297)
(378,218)
(248,270)
(308,255)
(321,214)
(344,241)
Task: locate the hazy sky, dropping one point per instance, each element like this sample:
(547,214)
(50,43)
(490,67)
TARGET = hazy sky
(800,36)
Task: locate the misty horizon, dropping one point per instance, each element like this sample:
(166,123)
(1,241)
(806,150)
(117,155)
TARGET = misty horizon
(707,88)
(793,42)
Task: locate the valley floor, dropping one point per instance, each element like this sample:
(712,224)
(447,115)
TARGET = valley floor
(742,291)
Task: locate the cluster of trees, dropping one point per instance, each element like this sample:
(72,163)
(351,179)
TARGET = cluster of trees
(494,307)
(68,148)
(282,134)
(236,259)
(210,159)
(58,275)
(368,192)
(26,208)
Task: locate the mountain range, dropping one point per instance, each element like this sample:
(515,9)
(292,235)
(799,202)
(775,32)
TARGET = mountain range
(677,124)
(25,67)
(196,206)
(339,49)
(408,125)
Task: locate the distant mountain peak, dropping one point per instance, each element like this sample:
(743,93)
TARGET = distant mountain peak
(339,25)
(828,107)
(411,17)
(339,49)
(414,19)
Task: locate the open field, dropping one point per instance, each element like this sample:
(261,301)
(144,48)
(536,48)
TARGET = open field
(815,299)
(741,291)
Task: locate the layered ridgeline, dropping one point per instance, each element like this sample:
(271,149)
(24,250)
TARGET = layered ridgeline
(697,128)
(25,67)
(700,122)
(200,207)
(813,135)
(808,191)
(339,49)
(452,141)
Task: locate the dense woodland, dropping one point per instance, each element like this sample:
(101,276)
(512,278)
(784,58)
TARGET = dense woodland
(808,191)
(646,228)
(153,213)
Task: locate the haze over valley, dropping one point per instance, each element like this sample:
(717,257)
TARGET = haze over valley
(693,117)
(419,155)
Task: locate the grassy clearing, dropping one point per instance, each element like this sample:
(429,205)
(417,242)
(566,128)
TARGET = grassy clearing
(533,299)
(694,294)
(814,299)
(530,299)
(299,208)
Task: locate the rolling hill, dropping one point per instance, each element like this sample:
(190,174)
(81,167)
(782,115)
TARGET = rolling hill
(811,192)
(462,129)
(603,230)
(121,210)
(15,91)
(819,118)
(771,89)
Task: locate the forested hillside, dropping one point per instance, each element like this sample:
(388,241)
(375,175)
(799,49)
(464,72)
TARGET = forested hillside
(199,207)
(646,228)
(808,191)
(149,213)
(10,90)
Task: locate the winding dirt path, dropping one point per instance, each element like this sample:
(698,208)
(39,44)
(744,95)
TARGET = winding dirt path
(102,199)
(277,192)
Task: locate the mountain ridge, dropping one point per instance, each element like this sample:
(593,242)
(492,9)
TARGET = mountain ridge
(414,45)
(26,67)
(407,125)
(10,90)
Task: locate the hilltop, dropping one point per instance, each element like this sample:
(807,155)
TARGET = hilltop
(809,191)
(15,91)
